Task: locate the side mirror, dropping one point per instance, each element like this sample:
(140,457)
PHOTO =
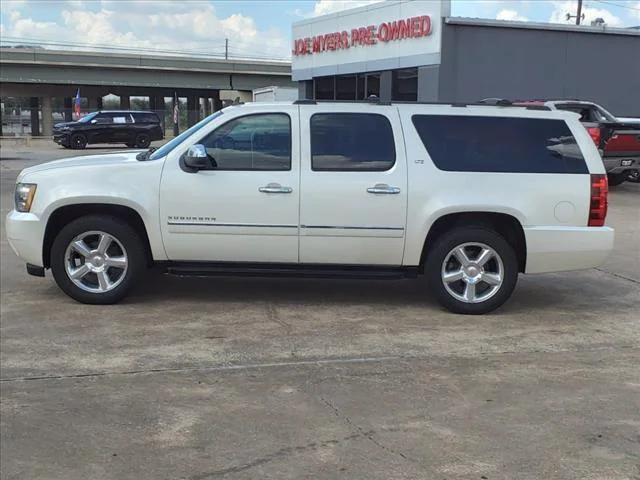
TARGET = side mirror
(197,158)
(94,121)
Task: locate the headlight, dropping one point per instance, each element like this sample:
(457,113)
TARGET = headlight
(24,196)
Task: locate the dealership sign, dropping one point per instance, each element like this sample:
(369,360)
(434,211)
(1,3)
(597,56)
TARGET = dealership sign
(388,35)
(414,27)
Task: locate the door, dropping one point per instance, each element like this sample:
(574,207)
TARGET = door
(100,129)
(122,128)
(353,185)
(245,209)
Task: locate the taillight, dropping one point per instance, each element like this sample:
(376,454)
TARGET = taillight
(599,202)
(594,133)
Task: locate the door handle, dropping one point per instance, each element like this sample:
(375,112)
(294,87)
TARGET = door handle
(383,188)
(275,188)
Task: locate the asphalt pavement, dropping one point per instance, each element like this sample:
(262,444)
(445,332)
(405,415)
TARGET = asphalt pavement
(244,378)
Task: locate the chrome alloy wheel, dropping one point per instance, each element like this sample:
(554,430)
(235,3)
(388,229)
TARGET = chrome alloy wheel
(96,262)
(472,272)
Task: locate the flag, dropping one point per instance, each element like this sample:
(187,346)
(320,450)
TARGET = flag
(76,104)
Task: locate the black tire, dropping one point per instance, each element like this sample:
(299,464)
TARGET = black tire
(118,229)
(464,235)
(78,141)
(142,140)
(634,176)
(616,179)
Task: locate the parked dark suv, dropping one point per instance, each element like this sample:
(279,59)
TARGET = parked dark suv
(133,128)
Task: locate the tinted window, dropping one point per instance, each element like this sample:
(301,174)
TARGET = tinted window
(145,117)
(499,144)
(103,118)
(351,142)
(254,142)
(114,117)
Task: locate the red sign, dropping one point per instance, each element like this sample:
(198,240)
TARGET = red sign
(414,27)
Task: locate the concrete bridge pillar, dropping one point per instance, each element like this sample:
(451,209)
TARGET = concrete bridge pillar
(35,119)
(192,110)
(68,109)
(125,102)
(216,102)
(47,117)
(95,103)
(207,106)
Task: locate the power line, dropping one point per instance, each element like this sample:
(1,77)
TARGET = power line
(40,42)
(217,52)
(617,5)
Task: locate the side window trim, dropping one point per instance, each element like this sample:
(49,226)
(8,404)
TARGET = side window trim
(352,170)
(254,114)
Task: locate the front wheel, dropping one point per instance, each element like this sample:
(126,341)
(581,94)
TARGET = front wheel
(97,258)
(78,141)
(472,270)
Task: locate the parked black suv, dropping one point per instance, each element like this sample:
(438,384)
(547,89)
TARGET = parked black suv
(133,128)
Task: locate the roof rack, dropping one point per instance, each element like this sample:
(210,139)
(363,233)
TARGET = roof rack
(506,104)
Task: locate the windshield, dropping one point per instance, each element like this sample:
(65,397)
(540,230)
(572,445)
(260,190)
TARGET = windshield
(169,146)
(88,117)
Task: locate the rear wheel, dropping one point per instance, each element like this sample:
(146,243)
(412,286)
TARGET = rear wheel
(472,270)
(634,176)
(616,179)
(97,258)
(78,141)
(142,140)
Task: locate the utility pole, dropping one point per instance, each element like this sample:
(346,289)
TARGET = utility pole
(226,47)
(579,12)
(579,16)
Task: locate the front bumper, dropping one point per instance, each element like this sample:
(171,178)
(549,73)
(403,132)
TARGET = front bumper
(25,234)
(61,139)
(558,249)
(621,164)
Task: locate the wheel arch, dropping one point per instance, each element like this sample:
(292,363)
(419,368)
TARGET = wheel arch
(62,215)
(505,224)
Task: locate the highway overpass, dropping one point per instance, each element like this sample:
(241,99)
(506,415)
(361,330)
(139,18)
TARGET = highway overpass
(43,74)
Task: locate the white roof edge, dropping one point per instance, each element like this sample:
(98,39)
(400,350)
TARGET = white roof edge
(482,22)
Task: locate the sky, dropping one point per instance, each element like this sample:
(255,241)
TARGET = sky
(256,29)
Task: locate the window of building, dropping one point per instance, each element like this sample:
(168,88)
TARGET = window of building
(373,85)
(346,87)
(360,94)
(462,143)
(325,88)
(252,142)
(351,142)
(405,85)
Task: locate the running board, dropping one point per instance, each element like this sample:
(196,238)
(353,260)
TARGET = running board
(206,269)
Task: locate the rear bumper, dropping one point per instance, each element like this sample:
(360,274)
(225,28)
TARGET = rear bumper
(556,249)
(25,235)
(621,164)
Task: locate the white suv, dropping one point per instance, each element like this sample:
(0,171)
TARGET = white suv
(468,195)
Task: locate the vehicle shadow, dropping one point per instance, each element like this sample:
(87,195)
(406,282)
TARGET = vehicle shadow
(288,290)
(532,293)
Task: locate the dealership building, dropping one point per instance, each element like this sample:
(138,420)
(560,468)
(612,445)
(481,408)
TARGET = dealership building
(415,51)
